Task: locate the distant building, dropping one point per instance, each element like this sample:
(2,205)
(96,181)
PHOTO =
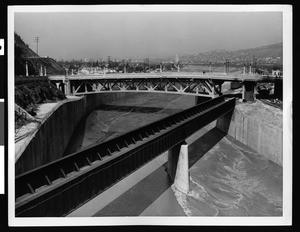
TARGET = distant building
(276,72)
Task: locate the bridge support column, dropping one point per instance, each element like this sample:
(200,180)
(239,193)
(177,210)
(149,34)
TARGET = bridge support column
(178,166)
(248,91)
(62,87)
(66,86)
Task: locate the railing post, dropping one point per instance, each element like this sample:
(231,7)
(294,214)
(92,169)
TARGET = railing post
(26,69)
(41,70)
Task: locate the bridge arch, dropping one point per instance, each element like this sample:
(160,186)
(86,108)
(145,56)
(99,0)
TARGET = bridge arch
(184,86)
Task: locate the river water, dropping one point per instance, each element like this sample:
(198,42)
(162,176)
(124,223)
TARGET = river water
(229,179)
(232,180)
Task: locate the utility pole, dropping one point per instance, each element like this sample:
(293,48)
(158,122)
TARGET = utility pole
(36,39)
(254,64)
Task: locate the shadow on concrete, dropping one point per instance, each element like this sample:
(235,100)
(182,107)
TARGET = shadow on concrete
(236,95)
(223,122)
(263,95)
(138,198)
(137,109)
(76,138)
(201,146)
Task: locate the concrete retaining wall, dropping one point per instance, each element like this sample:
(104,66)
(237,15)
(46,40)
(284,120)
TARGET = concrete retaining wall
(52,138)
(264,138)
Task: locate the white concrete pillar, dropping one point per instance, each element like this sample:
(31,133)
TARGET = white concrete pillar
(244,72)
(72,72)
(68,88)
(45,71)
(182,181)
(41,71)
(26,67)
(178,166)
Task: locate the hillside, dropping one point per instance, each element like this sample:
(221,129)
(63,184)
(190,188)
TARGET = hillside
(271,51)
(29,94)
(23,53)
(264,55)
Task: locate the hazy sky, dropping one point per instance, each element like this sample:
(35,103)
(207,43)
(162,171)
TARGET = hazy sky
(145,34)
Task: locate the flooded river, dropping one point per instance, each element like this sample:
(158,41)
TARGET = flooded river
(226,177)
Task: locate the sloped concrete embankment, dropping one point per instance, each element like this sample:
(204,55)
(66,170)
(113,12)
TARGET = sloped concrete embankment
(52,138)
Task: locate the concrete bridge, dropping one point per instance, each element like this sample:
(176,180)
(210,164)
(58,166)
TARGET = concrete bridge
(57,188)
(189,83)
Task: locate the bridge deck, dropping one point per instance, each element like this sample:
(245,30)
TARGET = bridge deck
(182,75)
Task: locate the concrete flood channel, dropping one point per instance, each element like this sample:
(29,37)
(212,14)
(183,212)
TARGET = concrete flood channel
(227,178)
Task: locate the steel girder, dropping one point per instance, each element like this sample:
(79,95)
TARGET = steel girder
(185,86)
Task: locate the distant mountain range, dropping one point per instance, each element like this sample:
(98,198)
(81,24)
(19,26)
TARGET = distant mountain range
(269,54)
(24,54)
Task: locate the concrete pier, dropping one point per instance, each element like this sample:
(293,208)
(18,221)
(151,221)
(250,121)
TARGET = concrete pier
(178,166)
(248,91)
